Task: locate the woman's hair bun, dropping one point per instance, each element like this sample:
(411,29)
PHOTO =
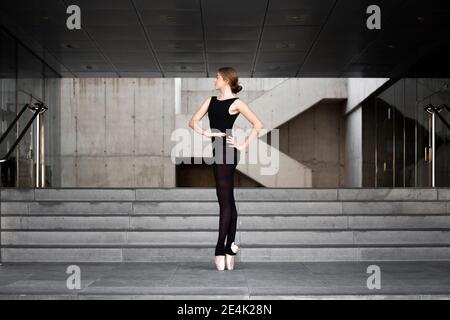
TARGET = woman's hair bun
(236,88)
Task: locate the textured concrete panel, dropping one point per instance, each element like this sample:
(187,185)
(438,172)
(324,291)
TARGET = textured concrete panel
(122,164)
(91,118)
(144,171)
(149,117)
(91,172)
(68,116)
(120,116)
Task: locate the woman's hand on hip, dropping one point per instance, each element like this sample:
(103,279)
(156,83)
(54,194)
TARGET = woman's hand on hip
(214,134)
(232,142)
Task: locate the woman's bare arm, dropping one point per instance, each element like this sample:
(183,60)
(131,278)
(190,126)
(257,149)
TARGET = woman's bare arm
(198,115)
(252,118)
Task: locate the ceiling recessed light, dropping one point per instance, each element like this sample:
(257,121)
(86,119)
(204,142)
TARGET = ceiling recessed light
(69,46)
(169,18)
(284,45)
(295,18)
(184,68)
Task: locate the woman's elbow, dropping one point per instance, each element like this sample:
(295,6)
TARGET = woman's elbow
(259,126)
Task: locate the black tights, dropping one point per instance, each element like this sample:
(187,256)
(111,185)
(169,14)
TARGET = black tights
(224,175)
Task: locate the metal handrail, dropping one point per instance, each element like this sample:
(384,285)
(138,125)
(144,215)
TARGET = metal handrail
(436,110)
(37,110)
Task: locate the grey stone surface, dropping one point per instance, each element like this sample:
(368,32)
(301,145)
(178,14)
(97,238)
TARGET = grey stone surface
(185,222)
(284,194)
(88,194)
(180,225)
(439,221)
(65,222)
(299,254)
(296,237)
(250,280)
(301,207)
(256,222)
(176,207)
(394,207)
(175,194)
(85,207)
(386,194)
(62,237)
(443,193)
(418,237)
(16,194)
(13,208)
(62,254)
(404,253)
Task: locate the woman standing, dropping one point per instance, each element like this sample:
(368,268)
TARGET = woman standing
(222,112)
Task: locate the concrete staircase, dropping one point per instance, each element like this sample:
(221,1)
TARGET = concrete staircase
(180,224)
(277,106)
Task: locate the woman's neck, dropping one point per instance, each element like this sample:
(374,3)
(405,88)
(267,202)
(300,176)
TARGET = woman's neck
(226,94)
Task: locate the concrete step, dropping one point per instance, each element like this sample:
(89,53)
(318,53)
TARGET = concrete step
(180,224)
(250,280)
(266,237)
(245,222)
(209,207)
(241,194)
(249,254)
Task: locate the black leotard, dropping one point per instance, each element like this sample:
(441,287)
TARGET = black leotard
(226,158)
(221,120)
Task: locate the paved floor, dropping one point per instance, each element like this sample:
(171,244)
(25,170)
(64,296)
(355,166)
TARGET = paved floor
(250,280)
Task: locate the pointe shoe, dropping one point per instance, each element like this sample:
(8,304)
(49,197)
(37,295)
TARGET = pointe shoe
(220,262)
(234,247)
(229,259)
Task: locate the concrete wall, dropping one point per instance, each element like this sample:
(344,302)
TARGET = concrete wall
(316,138)
(115,132)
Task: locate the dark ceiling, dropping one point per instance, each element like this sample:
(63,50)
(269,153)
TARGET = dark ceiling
(260,38)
